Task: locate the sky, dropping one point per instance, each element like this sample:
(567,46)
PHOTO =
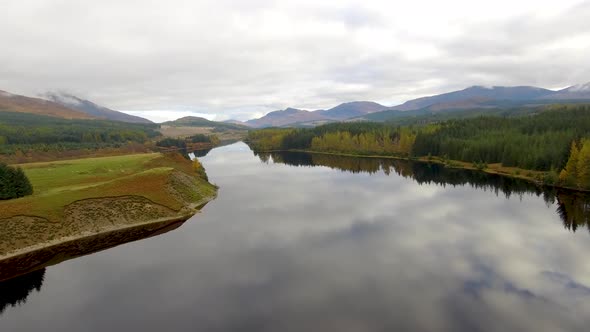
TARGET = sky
(241,59)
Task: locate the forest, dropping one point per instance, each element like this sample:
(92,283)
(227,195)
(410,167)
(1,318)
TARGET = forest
(30,132)
(553,140)
(13,183)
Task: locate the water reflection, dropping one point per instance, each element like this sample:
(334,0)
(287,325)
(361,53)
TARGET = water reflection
(15,291)
(572,207)
(286,248)
(198,153)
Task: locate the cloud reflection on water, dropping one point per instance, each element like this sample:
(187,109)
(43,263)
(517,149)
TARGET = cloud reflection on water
(287,248)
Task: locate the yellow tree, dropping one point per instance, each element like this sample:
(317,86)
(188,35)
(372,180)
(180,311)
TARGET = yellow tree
(569,174)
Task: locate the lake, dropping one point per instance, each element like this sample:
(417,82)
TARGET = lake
(300,242)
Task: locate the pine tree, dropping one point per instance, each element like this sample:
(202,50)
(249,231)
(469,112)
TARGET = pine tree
(583,165)
(4,181)
(13,183)
(23,185)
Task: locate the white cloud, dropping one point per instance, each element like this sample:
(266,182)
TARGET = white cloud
(237,59)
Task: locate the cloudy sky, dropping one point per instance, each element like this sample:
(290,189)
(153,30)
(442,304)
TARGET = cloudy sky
(241,59)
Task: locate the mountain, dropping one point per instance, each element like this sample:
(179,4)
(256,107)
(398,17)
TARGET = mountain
(91,108)
(21,104)
(476,92)
(479,98)
(297,117)
(195,121)
(286,117)
(352,109)
(580,91)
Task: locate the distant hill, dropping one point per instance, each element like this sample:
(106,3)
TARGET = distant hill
(352,109)
(474,93)
(286,117)
(195,121)
(21,104)
(236,122)
(297,117)
(479,98)
(91,108)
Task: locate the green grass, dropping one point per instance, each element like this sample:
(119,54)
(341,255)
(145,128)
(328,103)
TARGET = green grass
(49,177)
(57,184)
(83,196)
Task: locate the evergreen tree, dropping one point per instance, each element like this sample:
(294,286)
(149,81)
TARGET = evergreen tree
(13,183)
(583,165)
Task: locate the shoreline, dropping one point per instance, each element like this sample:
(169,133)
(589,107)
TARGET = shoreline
(457,164)
(50,250)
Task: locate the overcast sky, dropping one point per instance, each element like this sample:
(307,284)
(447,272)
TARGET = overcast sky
(244,58)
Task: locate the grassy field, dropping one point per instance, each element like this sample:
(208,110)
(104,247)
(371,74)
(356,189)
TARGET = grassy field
(94,194)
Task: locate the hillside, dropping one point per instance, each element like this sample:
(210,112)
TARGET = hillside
(21,104)
(92,109)
(27,137)
(483,94)
(477,99)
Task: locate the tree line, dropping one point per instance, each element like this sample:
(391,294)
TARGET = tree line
(572,207)
(544,141)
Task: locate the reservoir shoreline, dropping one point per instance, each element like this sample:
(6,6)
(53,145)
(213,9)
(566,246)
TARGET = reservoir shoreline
(49,253)
(494,169)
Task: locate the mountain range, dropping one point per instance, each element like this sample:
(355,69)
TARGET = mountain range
(475,97)
(292,116)
(64,105)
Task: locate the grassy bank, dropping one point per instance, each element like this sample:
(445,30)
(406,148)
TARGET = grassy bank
(89,196)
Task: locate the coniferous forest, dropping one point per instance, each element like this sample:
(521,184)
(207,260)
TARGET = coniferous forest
(553,140)
(30,132)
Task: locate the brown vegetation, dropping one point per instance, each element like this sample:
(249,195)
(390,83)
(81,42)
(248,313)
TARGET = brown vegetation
(89,196)
(22,104)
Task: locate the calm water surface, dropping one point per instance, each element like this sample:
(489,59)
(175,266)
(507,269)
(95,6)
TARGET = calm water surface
(345,245)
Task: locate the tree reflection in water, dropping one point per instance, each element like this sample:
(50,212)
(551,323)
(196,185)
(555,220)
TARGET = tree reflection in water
(14,292)
(572,207)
